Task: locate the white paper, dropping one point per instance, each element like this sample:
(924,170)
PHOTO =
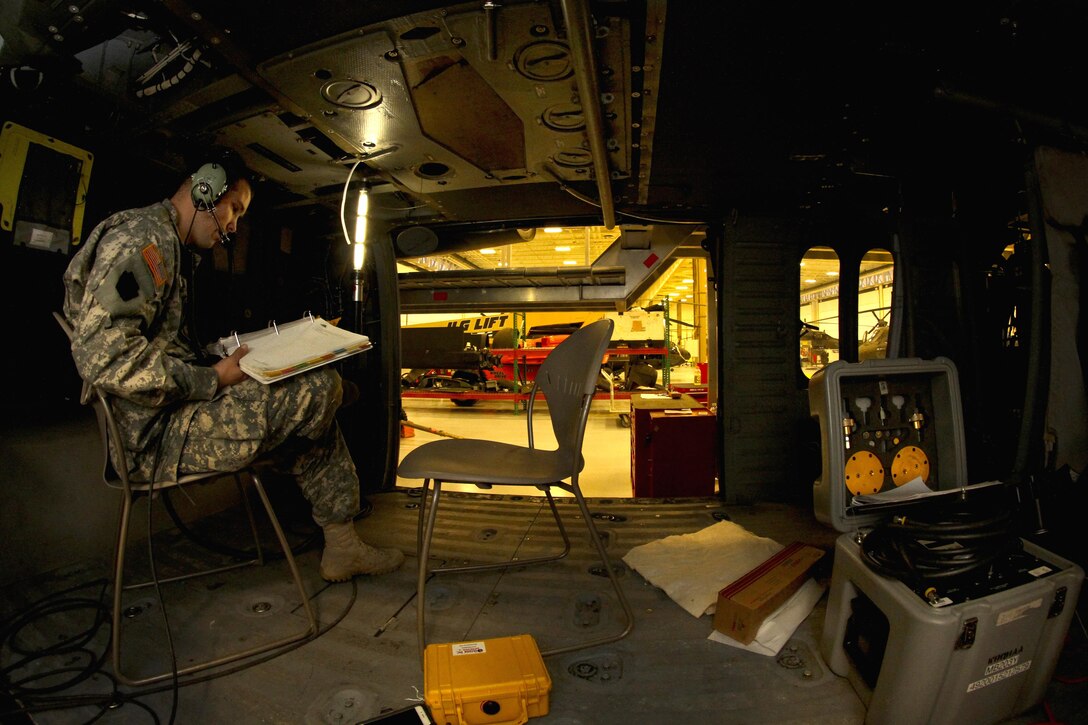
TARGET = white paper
(273,352)
(279,352)
(914,490)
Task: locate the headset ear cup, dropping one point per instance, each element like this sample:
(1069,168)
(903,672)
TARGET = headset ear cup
(209,185)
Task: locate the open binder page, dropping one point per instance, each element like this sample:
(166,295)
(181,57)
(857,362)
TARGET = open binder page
(281,351)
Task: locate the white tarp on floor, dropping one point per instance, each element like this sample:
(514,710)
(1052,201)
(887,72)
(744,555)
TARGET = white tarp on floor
(693,568)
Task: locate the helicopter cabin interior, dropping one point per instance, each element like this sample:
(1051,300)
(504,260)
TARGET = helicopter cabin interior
(850,237)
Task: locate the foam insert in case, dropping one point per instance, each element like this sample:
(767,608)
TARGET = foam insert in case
(883,424)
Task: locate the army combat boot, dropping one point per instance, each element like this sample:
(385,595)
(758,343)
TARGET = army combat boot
(345,555)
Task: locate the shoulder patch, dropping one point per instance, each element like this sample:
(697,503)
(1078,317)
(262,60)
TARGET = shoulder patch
(127,286)
(153,259)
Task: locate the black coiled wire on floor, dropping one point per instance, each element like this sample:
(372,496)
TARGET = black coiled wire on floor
(925,546)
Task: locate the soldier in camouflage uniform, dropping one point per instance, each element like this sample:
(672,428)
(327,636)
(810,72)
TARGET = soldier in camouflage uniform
(125,295)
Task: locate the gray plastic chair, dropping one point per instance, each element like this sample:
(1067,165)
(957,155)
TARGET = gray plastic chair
(116,476)
(567,379)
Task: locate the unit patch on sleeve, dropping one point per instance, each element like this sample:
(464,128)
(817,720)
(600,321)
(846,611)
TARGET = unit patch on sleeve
(130,282)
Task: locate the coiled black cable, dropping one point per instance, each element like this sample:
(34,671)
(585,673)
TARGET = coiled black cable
(66,646)
(28,678)
(942,544)
(36,698)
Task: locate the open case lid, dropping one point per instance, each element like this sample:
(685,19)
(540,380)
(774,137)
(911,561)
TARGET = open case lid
(887,427)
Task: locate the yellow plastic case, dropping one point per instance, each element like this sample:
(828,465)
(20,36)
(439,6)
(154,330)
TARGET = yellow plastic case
(500,681)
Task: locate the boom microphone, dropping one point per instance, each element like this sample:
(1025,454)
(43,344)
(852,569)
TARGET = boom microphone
(225,238)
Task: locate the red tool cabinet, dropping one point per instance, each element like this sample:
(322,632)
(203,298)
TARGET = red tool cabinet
(672,447)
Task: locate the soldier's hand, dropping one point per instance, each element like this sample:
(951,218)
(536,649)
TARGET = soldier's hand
(227,369)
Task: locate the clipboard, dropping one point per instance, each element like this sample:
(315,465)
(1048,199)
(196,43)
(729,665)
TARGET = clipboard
(282,350)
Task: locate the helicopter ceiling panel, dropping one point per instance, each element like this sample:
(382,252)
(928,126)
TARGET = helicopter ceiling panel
(508,75)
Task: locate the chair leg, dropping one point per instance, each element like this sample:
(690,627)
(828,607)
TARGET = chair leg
(519,562)
(249,516)
(628,615)
(257,560)
(290,557)
(424,532)
(119,587)
(428,514)
(423,491)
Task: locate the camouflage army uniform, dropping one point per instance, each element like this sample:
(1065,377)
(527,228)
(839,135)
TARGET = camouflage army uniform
(124,296)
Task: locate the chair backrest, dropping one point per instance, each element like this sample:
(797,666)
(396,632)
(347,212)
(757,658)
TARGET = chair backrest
(66,327)
(113,475)
(568,379)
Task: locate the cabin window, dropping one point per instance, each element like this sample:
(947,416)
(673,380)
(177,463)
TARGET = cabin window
(875,277)
(819,308)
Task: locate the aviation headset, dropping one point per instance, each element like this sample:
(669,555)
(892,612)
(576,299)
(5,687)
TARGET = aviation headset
(209,183)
